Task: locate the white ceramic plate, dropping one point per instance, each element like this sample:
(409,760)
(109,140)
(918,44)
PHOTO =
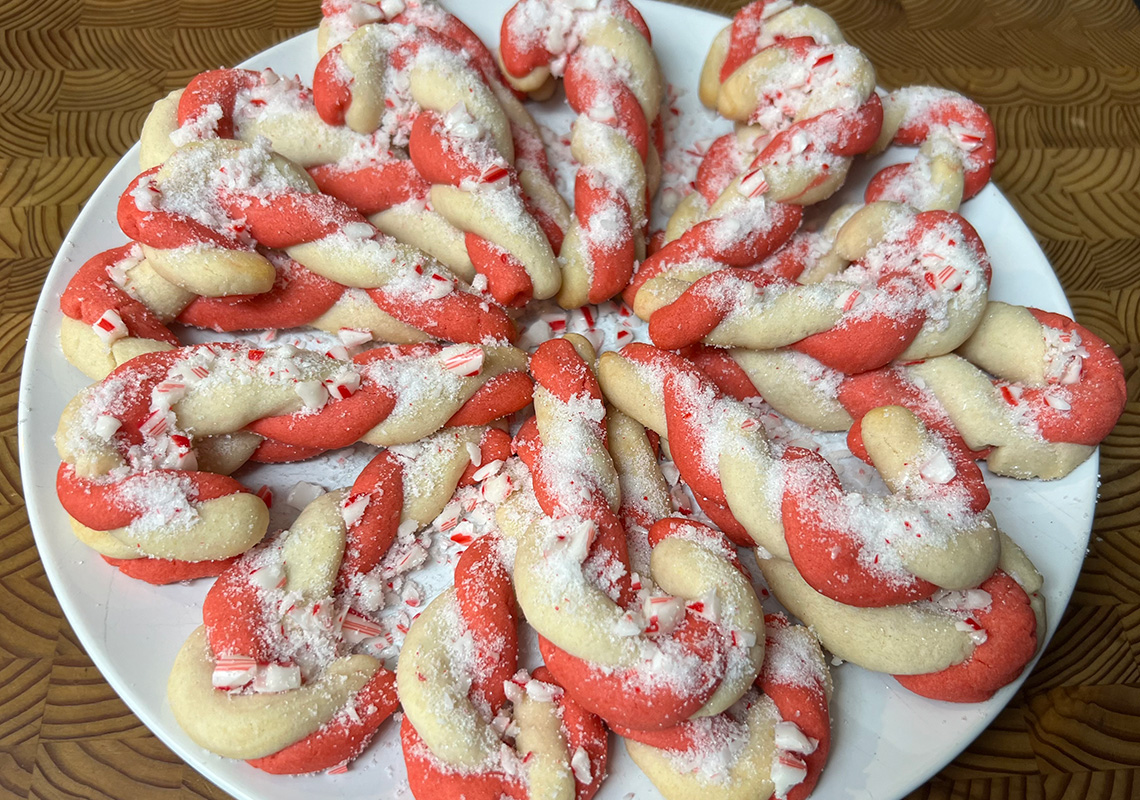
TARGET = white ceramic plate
(886,740)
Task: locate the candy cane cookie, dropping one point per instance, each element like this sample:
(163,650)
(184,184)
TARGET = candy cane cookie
(909,286)
(145,452)
(340,19)
(284,671)
(808,105)
(1015,385)
(603,53)
(144,494)
(402,393)
(1031,391)
(117,306)
(791,503)
(372,172)
(959,646)
(686,638)
(956,143)
(773,743)
(201,215)
(885,555)
(634,382)
(460,141)
(104,324)
(924,634)
(806,96)
(474,726)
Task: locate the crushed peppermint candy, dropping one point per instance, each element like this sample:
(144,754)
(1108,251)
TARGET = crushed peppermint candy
(312,393)
(110,327)
(302,493)
(463,360)
(352,509)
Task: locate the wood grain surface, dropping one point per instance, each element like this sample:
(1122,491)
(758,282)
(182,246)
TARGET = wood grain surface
(1062,81)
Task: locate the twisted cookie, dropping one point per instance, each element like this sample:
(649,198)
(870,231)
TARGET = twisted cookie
(604,55)
(1031,392)
(460,141)
(473,726)
(908,286)
(145,452)
(341,19)
(809,104)
(772,743)
(200,219)
(641,656)
(282,674)
(872,561)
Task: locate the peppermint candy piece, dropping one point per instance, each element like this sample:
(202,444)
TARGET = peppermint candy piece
(358,230)
(343,385)
(474,454)
(488,470)
(790,738)
(463,360)
(449,517)
(302,494)
(155,423)
(167,393)
(106,426)
(708,606)
(233,672)
(110,327)
(787,773)
(352,509)
(268,577)
(274,678)
(356,627)
(938,469)
(180,453)
(663,613)
(1057,401)
(312,393)
(353,337)
(753,184)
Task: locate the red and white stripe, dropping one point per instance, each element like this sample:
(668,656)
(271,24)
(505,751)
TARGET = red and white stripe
(463,360)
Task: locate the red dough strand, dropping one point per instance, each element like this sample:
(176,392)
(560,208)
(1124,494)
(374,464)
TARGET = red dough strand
(1011,632)
(341,740)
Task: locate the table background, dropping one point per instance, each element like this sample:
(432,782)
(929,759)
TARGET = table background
(1061,79)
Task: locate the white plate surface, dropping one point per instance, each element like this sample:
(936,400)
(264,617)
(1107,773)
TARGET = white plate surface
(886,741)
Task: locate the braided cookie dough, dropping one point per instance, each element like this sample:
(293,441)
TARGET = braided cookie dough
(807,106)
(956,144)
(460,142)
(858,557)
(1030,392)
(284,673)
(603,53)
(200,219)
(473,725)
(640,655)
(772,743)
(145,452)
(186,214)
(370,172)
(806,96)
(914,286)
(341,19)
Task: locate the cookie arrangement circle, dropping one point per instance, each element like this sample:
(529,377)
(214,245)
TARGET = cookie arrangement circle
(285,431)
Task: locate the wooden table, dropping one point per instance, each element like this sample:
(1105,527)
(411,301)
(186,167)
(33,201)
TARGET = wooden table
(1062,81)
